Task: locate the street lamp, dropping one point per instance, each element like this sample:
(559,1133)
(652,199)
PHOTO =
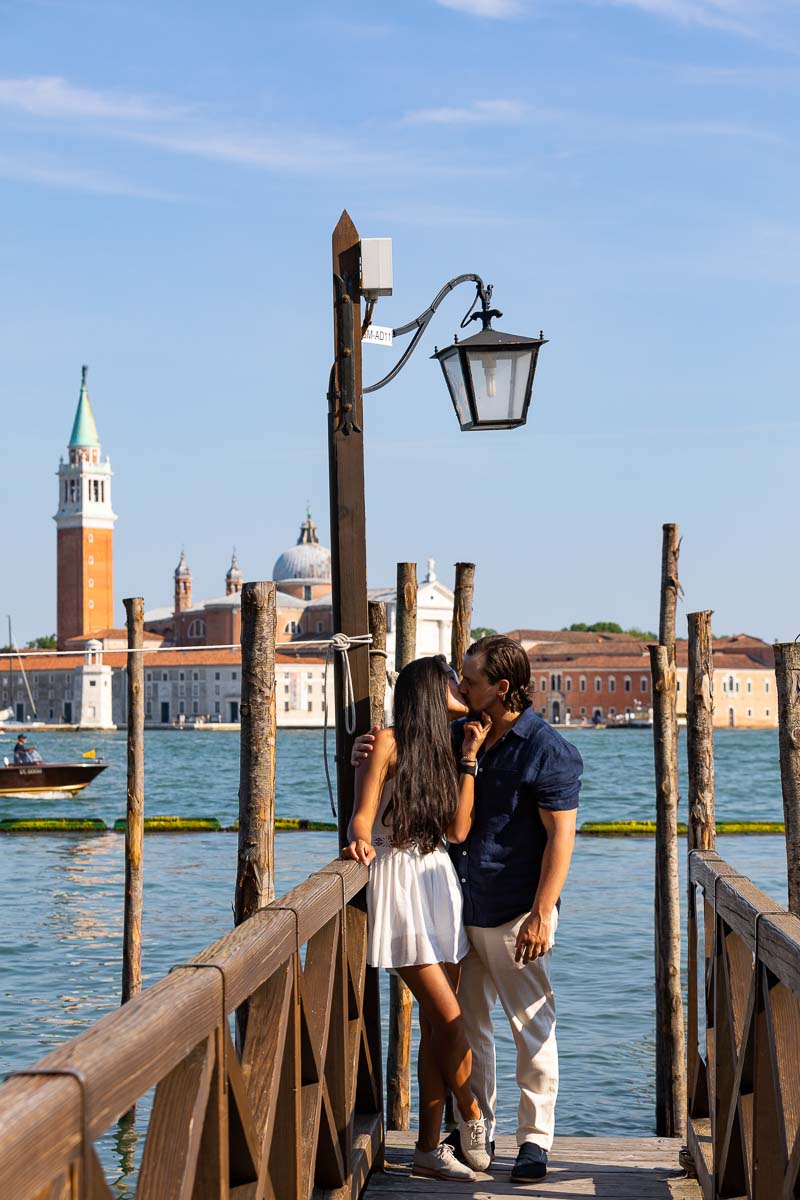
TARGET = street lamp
(489,377)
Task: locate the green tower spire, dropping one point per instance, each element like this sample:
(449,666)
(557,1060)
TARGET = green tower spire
(84,430)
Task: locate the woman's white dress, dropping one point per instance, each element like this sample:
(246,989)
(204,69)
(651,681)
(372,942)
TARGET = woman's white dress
(414,902)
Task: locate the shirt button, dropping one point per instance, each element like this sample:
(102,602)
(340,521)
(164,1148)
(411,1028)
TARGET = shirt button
(480,770)
(463,854)
(463,880)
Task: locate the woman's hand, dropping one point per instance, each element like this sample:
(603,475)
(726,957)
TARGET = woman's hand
(363,746)
(361,850)
(475,734)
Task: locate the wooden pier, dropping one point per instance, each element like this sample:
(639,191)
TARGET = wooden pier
(613,1168)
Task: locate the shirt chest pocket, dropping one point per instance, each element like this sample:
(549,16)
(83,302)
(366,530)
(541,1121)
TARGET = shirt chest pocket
(500,794)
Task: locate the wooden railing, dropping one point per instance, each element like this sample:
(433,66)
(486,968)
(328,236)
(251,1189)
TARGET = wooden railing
(744,1085)
(296,1113)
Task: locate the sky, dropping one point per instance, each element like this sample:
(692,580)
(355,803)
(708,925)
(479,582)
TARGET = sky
(625,172)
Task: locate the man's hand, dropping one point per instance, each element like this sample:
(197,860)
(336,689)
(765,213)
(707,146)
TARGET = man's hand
(359,849)
(363,746)
(534,938)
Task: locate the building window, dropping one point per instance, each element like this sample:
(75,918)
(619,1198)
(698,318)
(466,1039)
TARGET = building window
(216,708)
(598,684)
(643,684)
(148,708)
(677,685)
(91,604)
(306,592)
(319,626)
(90,539)
(731,684)
(290,627)
(234,675)
(286,706)
(583,683)
(583,710)
(181,689)
(612,683)
(749,712)
(90,560)
(164,676)
(148,676)
(612,712)
(216,674)
(195,674)
(197,629)
(181,706)
(628,684)
(195,708)
(766,685)
(569,683)
(749,685)
(181,676)
(543,684)
(766,712)
(310,706)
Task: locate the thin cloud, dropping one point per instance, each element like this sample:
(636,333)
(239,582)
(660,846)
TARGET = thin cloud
(496,10)
(77,180)
(480,112)
(733,16)
(53,96)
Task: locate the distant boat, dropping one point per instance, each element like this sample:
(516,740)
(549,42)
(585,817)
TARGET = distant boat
(48,781)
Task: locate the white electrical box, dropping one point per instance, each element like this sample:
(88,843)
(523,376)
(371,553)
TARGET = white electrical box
(376,267)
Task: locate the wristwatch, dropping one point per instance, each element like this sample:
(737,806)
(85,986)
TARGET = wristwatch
(468,768)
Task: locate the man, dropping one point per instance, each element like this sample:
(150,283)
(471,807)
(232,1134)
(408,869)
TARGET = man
(21,754)
(512,868)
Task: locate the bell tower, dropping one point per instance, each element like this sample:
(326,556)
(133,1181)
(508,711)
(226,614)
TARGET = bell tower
(85,531)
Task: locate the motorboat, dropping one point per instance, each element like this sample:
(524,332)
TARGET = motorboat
(47,780)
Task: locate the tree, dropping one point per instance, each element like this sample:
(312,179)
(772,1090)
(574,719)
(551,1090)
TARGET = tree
(48,642)
(612,627)
(481,631)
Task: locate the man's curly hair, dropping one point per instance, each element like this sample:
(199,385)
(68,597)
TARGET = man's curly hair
(503,658)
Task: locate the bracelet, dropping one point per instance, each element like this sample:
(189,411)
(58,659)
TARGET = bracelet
(466,759)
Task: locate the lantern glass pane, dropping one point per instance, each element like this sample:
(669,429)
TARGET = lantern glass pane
(499,380)
(455,382)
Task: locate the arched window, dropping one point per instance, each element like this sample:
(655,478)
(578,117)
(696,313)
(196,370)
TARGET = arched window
(196,630)
(598,684)
(543,684)
(583,683)
(643,684)
(292,627)
(569,683)
(612,683)
(628,684)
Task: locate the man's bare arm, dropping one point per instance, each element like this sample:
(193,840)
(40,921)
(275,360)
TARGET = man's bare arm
(535,933)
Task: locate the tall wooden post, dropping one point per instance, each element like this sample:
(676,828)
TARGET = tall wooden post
(700,732)
(348,523)
(255,881)
(377,663)
(461,636)
(398,1054)
(670,1064)
(702,829)
(787,675)
(134,812)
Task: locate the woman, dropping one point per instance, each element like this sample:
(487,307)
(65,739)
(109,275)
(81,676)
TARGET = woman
(411,795)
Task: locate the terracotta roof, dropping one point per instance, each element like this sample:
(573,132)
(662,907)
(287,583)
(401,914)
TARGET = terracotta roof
(591,662)
(567,635)
(164,658)
(100,634)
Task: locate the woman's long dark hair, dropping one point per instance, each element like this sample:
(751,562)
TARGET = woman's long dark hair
(425,782)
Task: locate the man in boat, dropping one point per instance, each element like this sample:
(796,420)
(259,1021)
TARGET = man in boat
(25,754)
(512,868)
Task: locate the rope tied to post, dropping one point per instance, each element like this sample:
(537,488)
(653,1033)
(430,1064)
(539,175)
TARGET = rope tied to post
(341,643)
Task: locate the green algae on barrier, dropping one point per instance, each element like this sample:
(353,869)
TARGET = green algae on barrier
(52,825)
(174,825)
(648,828)
(296,825)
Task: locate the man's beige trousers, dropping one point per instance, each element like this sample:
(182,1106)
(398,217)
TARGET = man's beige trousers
(489,973)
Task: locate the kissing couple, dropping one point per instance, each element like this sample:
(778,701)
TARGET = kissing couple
(465,813)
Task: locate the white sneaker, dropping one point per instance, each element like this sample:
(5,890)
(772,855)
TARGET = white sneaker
(473,1144)
(441,1163)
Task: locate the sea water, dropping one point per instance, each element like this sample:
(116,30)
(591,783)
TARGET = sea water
(61,903)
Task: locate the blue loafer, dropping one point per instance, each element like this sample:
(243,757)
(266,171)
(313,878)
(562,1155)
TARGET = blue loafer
(531,1164)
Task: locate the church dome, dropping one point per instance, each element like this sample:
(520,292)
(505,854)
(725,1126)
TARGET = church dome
(305,563)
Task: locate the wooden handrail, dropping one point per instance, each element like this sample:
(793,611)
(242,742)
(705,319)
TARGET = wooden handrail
(137,1046)
(744,1127)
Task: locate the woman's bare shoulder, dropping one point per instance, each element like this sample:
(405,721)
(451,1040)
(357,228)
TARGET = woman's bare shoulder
(385,747)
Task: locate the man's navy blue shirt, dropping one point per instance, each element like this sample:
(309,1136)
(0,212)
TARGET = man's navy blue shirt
(531,767)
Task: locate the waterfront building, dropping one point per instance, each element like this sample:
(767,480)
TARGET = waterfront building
(581,677)
(195,678)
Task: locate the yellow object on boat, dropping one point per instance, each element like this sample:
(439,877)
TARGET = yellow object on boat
(90,754)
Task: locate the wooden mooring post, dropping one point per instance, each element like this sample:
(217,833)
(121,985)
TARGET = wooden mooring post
(255,880)
(398,1051)
(670,1065)
(377,663)
(134,808)
(787,675)
(461,636)
(701,829)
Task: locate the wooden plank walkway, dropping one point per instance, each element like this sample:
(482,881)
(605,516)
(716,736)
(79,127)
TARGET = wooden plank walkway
(609,1168)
